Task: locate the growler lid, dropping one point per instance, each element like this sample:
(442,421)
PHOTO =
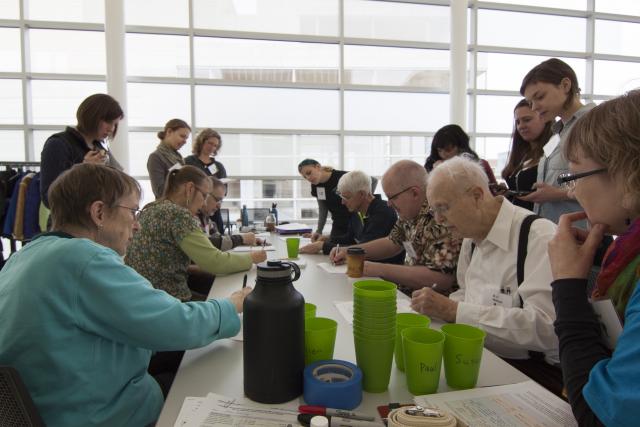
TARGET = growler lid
(274,269)
(355,251)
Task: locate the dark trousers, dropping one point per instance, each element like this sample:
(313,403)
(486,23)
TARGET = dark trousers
(163,367)
(548,376)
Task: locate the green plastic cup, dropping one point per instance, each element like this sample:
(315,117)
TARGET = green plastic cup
(374,358)
(293,244)
(319,339)
(374,289)
(309,310)
(422,353)
(463,346)
(403,321)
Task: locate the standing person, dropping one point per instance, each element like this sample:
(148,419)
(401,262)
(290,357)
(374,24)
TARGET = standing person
(552,90)
(530,134)
(205,149)
(97,122)
(166,156)
(324,180)
(93,323)
(604,159)
(450,141)
(170,238)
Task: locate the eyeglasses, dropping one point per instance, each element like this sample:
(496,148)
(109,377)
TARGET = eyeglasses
(391,198)
(134,211)
(568,180)
(218,200)
(438,210)
(205,195)
(341,195)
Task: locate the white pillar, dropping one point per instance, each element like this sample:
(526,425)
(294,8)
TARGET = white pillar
(458,64)
(114,34)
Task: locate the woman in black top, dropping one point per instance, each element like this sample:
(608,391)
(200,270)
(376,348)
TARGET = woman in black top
(205,149)
(324,181)
(530,134)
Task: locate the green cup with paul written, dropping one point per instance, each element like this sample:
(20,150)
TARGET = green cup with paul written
(403,321)
(463,346)
(422,354)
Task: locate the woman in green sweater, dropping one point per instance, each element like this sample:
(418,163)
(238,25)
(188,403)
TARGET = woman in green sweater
(170,237)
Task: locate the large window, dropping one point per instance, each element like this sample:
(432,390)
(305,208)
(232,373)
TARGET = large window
(355,84)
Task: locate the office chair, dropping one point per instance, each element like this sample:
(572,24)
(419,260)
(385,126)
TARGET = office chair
(16,406)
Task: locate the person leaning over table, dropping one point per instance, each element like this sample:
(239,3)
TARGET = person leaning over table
(93,322)
(431,251)
(324,180)
(166,156)
(210,228)
(205,149)
(517,316)
(170,237)
(604,160)
(371,218)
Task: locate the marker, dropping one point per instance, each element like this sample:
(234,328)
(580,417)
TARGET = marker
(244,282)
(331,412)
(305,420)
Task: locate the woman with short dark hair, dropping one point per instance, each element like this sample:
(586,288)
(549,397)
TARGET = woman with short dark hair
(79,325)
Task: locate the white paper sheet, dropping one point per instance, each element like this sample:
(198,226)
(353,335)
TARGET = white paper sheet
(524,404)
(189,407)
(293,227)
(219,411)
(333,269)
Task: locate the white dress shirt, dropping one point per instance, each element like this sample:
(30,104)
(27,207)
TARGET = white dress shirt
(489,296)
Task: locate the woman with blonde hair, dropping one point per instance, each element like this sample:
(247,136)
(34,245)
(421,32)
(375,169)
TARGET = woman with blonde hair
(603,150)
(166,157)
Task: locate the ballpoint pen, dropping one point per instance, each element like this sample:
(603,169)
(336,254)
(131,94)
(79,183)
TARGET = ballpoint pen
(244,282)
(337,252)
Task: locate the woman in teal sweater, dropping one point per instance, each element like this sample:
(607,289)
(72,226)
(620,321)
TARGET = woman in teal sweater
(171,237)
(79,325)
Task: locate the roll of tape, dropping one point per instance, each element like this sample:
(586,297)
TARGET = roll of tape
(333,384)
(417,416)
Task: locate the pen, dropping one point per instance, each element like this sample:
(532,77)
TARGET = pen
(244,282)
(321,410)
(337,251)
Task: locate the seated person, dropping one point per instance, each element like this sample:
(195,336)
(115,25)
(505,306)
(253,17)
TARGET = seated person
(79,325)
(210,227)
(603,149)
(431,251)
(371,218)
(511,304)
(170,237)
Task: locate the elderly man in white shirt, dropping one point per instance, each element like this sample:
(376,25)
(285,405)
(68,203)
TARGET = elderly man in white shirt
(516,313)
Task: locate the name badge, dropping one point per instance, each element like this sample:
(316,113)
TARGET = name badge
(176,166)
(495,296)
(213,169)
(322,195)
(408,247)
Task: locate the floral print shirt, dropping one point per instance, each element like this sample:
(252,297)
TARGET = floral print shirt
(433,243)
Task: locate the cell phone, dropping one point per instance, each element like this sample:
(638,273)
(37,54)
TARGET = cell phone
(518,193)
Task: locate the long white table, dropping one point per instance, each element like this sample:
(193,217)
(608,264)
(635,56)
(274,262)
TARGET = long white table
(218,367)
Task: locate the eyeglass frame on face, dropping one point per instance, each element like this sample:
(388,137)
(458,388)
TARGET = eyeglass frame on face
(568,180)
(204,193)
(391,198)
(134,211)
(214,197)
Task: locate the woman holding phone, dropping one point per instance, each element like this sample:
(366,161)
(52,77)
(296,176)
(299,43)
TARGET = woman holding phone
(530,134)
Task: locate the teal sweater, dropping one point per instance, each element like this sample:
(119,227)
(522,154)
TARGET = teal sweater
(80,327)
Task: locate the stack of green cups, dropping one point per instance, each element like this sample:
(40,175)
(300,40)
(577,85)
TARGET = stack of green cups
(374,331)
(407,320)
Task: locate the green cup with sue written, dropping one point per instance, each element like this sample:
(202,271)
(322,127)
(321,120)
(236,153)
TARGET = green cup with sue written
(422,354)
(463,346)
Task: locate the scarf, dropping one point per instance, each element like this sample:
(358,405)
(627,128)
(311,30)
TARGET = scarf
(620,270)
(170,154)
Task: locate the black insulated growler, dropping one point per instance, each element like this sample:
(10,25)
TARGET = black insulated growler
(273,328)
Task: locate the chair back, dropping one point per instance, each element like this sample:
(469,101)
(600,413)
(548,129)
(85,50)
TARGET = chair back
(16,407)
(257,214)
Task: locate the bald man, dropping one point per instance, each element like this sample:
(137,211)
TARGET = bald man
(516,313)
(431,253)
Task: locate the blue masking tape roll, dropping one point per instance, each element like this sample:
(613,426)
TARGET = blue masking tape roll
(333,384)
